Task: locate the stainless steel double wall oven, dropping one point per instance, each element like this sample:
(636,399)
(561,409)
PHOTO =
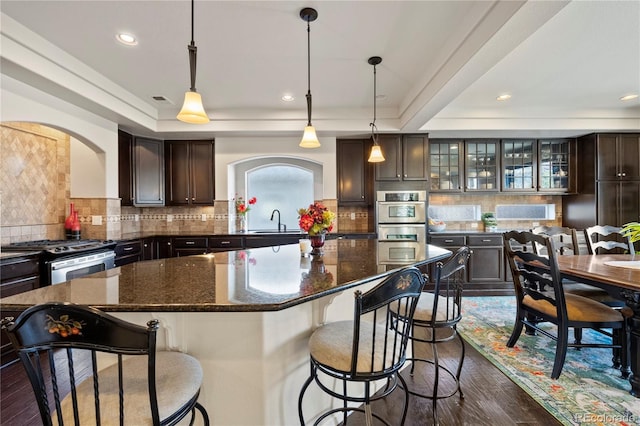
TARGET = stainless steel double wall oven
(401,225)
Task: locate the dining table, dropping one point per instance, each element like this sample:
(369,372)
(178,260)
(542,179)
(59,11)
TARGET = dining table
(619,275)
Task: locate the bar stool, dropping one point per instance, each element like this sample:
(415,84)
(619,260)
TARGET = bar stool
(142,387)
(438,314)
(370,348)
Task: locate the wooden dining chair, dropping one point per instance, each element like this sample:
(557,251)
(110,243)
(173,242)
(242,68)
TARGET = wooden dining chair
(607,239)
(371,347)
(128,382)
(540,294)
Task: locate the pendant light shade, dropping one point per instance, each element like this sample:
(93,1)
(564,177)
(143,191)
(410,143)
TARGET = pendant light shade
(309,138)
(376,153)
(192,110)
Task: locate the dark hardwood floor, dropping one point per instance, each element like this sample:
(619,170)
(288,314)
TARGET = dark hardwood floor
(490,398)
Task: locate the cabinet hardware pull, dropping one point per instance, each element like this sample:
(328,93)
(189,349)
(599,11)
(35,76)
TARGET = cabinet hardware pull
(128,248)
(225,242)
(448,241)
(186,198)
(193,198)
(486,241)
(190,242)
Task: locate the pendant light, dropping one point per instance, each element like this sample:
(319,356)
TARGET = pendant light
(309,138)
(376,153)
(192,110)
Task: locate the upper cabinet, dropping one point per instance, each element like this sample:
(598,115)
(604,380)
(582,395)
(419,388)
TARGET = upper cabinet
(445,164)
(557,165)
(405,158)
(508,165)
(354,172)
(481,165)
(190,172)
(618,157)
(148,172)
(125,168)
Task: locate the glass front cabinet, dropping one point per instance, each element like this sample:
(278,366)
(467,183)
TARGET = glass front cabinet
(445,162)
(555,166)
(481,165)
(519,165)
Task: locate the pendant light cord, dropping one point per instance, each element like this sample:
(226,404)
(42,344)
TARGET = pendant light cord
(192,54)
(308,74)
(373,124)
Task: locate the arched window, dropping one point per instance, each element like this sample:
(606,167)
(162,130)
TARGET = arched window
(283,184)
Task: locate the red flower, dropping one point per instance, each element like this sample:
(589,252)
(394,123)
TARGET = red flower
(252,200)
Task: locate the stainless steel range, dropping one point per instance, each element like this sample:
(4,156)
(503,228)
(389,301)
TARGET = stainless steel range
(63,260)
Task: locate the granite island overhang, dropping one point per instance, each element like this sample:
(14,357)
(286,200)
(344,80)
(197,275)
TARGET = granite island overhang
(262,279)
(245,315)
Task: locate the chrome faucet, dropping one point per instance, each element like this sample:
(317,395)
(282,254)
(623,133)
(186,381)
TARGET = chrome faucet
(280,225)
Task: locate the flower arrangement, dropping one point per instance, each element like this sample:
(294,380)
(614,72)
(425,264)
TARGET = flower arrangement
(316,219)
(631,230)
(241,207)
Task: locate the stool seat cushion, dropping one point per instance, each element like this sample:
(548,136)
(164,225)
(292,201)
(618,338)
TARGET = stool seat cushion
(424,310)
(178,380)
(332,344)
(579,309)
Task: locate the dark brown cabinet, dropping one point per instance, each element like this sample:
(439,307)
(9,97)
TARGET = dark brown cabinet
(148,172)
(17,275)
(354,172)
(190,172)
(618,156)
(187,246)
(445,165)
(486,267)
(405,158)
(128,252)
(125,168)
(608,190)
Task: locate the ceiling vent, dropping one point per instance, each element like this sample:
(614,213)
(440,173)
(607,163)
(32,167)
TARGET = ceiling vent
(162,100)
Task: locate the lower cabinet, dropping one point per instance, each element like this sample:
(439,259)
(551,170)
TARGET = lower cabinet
(187,246)
(17,275)
(128,252)
(485,275)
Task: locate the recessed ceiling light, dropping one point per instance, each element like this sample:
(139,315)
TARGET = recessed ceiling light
(503,97)
(127,39)
(628,97)
(287,98)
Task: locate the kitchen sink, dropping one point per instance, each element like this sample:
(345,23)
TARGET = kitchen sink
(275,231)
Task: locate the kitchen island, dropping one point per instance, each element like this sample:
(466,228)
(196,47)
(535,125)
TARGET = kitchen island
(246,315)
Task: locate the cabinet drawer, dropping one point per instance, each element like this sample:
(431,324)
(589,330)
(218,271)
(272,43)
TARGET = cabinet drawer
(484,240)
(128,248)
(447,241)
(185,242)
(19,267)
(229,243)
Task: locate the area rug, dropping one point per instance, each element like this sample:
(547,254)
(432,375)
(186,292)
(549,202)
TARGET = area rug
(589,390)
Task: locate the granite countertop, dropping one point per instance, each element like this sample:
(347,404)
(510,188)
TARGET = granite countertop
(262,279)
(137,235)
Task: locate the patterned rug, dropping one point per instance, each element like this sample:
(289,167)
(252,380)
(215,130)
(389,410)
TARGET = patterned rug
(589,390)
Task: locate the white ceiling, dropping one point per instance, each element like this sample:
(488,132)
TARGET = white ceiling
(566,64)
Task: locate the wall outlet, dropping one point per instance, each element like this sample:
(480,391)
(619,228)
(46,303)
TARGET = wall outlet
(96,220)
(203,217)
(169,218)
(474,225)
(534,224)
(353,216)
(136,217)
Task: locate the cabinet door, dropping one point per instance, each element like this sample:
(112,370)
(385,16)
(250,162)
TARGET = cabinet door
(414,157)
(555,170)
(352,172)
(519,165)
(149,249)
(125,168)
(629,157)
(148,172)
(177,172)
(445,164)
(607,158)
(629,207)
(481,165)
(486,265)
(391,168)
(202,173)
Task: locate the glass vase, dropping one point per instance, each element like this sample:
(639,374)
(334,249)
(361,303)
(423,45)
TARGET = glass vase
(241,223)
(317,244)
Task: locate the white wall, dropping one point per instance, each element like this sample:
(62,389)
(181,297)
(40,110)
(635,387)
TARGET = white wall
(99,175)
(230,150)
